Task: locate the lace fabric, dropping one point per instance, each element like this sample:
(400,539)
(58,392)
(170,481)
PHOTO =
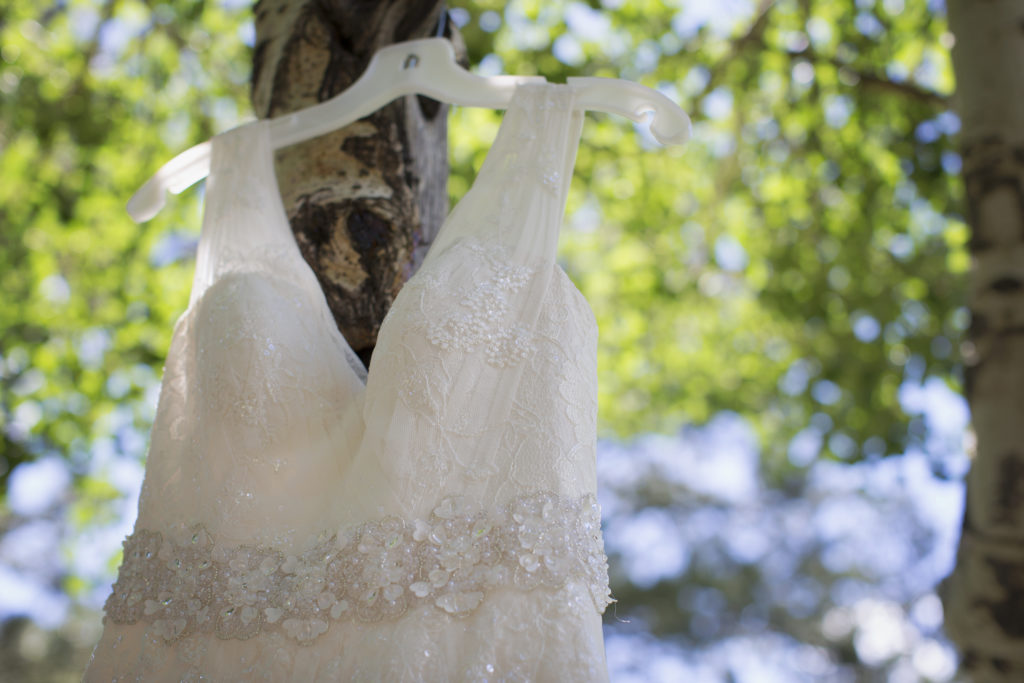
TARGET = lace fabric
(432,519)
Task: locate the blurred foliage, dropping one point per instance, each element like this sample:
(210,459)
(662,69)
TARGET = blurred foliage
(733,580)
(30,654)
(803,253)
(796,263)
(95,96)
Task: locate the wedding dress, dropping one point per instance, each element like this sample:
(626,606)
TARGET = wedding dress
(432,519)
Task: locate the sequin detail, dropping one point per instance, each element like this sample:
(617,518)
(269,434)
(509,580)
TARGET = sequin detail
(377,571)
(480,319)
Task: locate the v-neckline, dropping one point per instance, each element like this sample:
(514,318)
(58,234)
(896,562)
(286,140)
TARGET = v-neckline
(274,190)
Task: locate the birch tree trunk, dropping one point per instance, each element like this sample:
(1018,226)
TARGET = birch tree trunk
(985,595)
(364,201)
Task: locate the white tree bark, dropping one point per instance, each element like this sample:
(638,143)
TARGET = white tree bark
(984,597)
(364,201)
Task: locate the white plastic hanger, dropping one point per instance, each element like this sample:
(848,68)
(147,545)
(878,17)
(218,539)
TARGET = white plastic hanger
(424,67)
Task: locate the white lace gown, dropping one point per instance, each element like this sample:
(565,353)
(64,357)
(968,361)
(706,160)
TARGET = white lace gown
(433,519)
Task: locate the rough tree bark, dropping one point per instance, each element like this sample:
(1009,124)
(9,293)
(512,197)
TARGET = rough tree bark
(364,201)
(985,594)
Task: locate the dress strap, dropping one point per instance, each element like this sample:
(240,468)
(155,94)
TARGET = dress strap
(244,223)
(517,201)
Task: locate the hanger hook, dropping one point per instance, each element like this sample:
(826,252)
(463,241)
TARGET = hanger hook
(411,62)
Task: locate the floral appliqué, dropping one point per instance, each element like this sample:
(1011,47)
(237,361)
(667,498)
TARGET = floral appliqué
(481,317)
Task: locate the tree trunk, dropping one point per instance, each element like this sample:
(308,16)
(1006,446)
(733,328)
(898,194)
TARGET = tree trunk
(364,201)
(985,594)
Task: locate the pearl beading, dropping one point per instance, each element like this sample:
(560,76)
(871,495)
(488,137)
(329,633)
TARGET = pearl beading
(379,570)
(481,318)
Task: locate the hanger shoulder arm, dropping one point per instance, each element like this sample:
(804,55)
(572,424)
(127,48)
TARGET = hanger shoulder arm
(423,67)
(175,176)
(426,67)
(670,125)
